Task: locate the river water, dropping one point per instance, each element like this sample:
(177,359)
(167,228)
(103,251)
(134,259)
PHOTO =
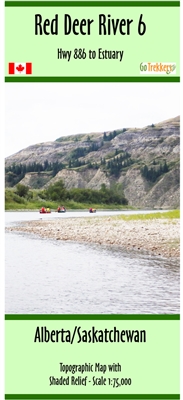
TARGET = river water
(48,276)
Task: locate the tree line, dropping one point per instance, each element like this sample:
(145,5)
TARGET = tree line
(117,164)
(57,192)
(16,172)
(111,135)
(83,151)
(19,169)
(152,174)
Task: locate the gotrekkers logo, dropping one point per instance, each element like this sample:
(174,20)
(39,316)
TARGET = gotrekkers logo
(152,68)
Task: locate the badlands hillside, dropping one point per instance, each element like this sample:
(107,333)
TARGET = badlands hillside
(145,162)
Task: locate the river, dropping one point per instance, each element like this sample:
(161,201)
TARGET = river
(44,276)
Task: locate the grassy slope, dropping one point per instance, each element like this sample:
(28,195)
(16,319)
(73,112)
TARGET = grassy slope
(158,215)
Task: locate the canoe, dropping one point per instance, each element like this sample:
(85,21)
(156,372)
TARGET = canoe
(92,210)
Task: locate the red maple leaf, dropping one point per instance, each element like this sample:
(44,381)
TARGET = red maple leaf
(20,68)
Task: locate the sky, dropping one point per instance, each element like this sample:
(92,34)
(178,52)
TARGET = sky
(41,112)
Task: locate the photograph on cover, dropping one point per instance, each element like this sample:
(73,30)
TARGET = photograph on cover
(92,198)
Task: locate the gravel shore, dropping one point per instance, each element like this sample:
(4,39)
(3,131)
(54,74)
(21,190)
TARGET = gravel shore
(156,236)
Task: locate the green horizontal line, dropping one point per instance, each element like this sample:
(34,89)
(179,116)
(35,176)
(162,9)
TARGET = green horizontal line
(92,79)
(92,396)
(109,317)
(92,3)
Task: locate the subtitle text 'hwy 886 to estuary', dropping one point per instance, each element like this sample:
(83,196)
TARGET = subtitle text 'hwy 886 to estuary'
(82,54)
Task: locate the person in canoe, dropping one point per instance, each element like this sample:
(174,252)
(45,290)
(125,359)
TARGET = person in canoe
(44,210)
(61,209)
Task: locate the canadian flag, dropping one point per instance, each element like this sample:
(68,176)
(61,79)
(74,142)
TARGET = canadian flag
(20,68)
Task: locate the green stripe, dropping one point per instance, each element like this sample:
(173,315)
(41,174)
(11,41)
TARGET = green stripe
(92,396)
(92,3)
(102,317)
(92,79)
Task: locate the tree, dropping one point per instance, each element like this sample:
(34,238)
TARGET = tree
(57,191)
(22,190)
(103,187)
(165,167)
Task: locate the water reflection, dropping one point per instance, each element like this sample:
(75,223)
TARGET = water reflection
(48,276)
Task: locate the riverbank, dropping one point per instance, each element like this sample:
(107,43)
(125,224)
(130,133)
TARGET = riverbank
(158,236)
